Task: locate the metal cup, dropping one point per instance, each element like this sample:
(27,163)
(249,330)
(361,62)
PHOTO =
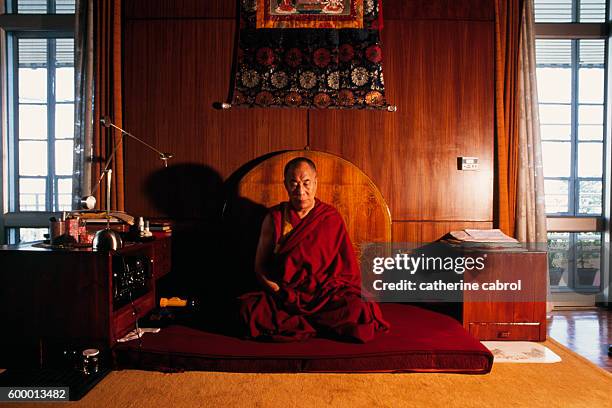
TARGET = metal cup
(90,361)
(56,230)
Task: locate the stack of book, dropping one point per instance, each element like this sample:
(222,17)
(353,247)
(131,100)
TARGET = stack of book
(486,240)
(160,226)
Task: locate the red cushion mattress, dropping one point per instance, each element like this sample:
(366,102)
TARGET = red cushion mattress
(420,341)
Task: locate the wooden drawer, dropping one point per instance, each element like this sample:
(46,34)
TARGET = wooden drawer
(505,331)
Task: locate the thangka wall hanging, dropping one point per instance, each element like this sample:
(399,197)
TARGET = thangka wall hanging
(302,54)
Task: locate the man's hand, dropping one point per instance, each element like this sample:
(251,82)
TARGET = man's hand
(267,283)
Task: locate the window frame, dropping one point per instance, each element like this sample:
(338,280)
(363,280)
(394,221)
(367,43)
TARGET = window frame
(574,179)
(52,179)
(53,25)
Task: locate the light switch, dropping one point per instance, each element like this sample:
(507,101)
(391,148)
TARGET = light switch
(467,163)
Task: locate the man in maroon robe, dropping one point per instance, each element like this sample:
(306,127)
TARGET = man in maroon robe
(307,266)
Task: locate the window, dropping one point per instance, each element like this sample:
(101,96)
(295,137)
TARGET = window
(571,82)
(38,84)
(43,124)
(571,68)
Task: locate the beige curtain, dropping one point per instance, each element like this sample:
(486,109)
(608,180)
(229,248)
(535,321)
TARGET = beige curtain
(83,112)
(530,223)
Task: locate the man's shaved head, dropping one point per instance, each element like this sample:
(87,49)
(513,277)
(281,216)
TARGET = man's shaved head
(293,163)
(301,183)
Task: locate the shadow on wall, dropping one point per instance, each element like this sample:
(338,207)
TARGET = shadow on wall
(215,234)
(191,195)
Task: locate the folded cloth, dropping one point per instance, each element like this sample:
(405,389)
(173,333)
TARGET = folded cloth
(137,333)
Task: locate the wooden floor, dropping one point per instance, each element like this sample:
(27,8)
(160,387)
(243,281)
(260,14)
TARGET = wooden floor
(587,332)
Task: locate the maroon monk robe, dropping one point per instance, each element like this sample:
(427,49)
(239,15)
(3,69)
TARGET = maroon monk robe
(315,266)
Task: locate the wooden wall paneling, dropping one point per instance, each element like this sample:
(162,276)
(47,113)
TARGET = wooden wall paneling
(173,72)
(361,137)
(406,232)
(422,231)
(441,78)
(164,9)
(439,9)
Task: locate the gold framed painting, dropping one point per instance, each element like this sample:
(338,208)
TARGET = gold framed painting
(333,14)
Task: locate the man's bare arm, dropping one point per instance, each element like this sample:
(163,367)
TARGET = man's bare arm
(265,248)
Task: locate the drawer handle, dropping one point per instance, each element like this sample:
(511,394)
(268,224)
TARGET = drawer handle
(503,334)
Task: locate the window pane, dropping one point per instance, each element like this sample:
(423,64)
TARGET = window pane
(63,157)
(32,121)
(591,53)
(588,259)
(64,84)
(590,132)
(553,53)
(40,6)
(556,132)
(64,49)
(32,6)
(32,85)
(32,194)
(557,159)
(558,11)
(555,114)
(554,85)
(592,11)
(64,121)
(32,52)
(64,189)
(591,82)
(590,156)
(592,115)
(32,158)
(589,193)
(66,6)
(32,234)
(557,196)
(558,258)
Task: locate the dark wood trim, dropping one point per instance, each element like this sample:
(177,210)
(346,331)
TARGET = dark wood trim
(37,22)
(572,30)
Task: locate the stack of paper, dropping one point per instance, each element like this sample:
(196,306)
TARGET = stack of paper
(491,239)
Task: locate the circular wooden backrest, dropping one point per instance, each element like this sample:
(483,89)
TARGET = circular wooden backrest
(340,183)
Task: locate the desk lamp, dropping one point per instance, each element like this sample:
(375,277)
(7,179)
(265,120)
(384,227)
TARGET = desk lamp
(107,239)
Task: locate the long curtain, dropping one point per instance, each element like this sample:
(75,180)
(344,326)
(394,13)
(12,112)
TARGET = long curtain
(507,33)
(107,101)
(530,211)
(519,206)
(83,112)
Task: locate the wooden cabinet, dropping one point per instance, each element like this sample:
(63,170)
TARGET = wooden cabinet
(518,315)
(56,299)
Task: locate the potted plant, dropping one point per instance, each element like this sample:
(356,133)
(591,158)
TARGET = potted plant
(555,267)
(589,251)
